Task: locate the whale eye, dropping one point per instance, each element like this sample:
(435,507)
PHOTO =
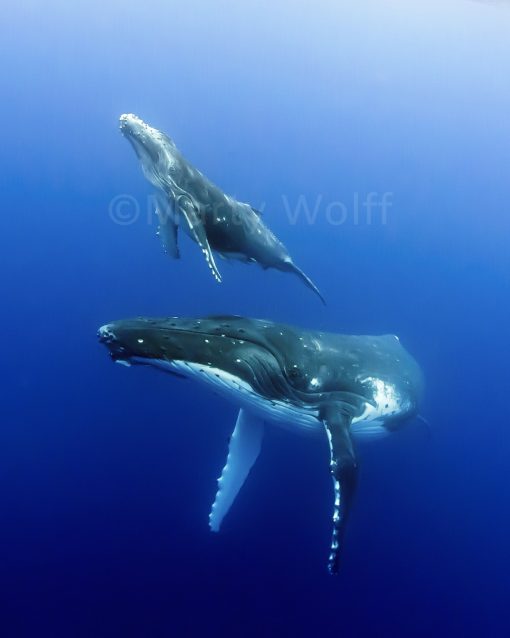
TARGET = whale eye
(295,375)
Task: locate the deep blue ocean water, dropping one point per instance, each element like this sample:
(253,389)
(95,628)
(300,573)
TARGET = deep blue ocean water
(107,474)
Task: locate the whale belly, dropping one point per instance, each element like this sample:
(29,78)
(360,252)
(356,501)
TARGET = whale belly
(370,424)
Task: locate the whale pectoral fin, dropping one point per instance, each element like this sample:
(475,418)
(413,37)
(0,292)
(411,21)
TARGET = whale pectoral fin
(243,451)
(167,229)
(344,468)
(196,227)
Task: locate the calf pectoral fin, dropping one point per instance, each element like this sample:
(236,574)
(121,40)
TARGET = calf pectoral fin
(167,229)
(343,468)
(243,451)
(192,217)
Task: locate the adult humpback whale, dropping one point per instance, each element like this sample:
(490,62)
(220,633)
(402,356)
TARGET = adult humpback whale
(215,221)
(332,383)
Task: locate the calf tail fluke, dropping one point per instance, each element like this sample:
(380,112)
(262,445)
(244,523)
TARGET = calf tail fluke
(306,280)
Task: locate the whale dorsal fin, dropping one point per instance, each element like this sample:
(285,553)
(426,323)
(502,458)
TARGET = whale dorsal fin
(343,468)
(197,230)
(243,451)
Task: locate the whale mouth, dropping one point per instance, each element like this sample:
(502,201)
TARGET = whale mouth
(118,352)
(138,343)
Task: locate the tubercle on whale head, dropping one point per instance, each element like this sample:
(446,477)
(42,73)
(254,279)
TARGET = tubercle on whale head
(131,124)
(145,140)
(169,339)
(210,345)
(130,340)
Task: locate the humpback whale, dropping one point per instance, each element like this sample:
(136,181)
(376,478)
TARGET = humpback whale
(342,386)
(214,220)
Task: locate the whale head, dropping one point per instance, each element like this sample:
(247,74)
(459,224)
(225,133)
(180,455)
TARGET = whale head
(208,348)
(152,147)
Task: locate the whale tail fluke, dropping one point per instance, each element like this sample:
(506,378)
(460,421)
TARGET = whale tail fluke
(290,266)
(426,423)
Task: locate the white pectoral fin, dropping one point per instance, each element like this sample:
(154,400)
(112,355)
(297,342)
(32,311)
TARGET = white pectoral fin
(197,230)
(243,451)
(167,229)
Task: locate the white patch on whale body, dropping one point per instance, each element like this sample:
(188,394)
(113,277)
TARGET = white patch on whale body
(370,424)
(387,401)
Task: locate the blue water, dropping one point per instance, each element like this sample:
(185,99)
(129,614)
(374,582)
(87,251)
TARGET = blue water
(107,474)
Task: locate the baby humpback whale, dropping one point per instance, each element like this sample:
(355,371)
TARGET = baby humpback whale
(341,385)
(212,219)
